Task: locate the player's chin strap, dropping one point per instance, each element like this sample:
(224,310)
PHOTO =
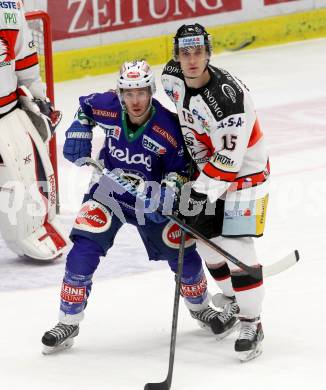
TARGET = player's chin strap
(113,181)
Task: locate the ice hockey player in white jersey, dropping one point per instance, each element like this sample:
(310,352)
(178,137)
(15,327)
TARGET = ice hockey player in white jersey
(28,222)
(223,136)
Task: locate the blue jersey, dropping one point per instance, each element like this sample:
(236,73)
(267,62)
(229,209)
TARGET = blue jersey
(147,154)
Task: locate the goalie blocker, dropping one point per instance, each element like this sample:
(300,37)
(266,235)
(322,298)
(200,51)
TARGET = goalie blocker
(28,221)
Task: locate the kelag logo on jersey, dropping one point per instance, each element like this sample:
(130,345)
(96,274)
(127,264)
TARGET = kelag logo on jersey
(128,157)
(153,146)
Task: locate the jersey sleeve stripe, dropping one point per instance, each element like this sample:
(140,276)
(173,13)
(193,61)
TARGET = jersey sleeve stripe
(251,180)
(256,134)
(211,171)
(8,99)
(27,62)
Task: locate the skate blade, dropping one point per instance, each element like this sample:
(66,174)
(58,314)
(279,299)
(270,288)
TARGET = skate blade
(246,356)
(235,327)
(204,326)
(65,345)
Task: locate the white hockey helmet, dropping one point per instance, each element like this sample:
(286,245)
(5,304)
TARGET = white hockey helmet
(136,74)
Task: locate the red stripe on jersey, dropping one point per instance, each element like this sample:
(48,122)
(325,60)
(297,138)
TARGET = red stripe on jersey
(256,134)
(215,173)
(248,287)
(8,99)
(27,62)
(251,180)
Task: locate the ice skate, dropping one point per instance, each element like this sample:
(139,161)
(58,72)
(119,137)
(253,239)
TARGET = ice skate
(59,338)
(221,323)
(249,343)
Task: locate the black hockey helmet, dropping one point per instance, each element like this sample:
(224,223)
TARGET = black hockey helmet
(190,35)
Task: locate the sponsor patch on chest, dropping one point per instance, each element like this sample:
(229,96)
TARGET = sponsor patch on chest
(113,131)
(153,146)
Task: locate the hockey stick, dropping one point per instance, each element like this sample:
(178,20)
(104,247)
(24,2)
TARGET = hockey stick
(269,270)
(114,181)
(242,45)
(111,180)
(166,384)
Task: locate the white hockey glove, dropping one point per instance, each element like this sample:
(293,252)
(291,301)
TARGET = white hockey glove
(174,180)
(41,112)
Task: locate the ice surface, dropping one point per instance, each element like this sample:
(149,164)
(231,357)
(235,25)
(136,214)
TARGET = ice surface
(124,339)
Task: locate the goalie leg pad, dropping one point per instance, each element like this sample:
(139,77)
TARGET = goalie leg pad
(28,221)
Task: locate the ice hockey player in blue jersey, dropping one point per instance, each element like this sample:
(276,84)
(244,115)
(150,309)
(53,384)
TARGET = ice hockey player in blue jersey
(143,140)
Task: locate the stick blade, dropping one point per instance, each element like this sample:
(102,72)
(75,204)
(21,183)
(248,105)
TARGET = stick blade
(297,255)
(157,386)
(281,265)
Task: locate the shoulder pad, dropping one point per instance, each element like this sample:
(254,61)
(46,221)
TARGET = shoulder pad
(223,95)
(167,116)
(101,105)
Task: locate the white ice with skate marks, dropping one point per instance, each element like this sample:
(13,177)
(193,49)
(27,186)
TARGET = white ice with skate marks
(124,340)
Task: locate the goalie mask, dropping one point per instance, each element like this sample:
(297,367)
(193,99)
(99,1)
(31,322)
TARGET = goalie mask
(190,36)
(135,74)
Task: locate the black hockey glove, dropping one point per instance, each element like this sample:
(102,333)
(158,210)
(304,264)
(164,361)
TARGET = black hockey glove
(208,219)
(197,201)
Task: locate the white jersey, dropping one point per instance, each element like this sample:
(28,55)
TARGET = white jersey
(18,57)
(220,129)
